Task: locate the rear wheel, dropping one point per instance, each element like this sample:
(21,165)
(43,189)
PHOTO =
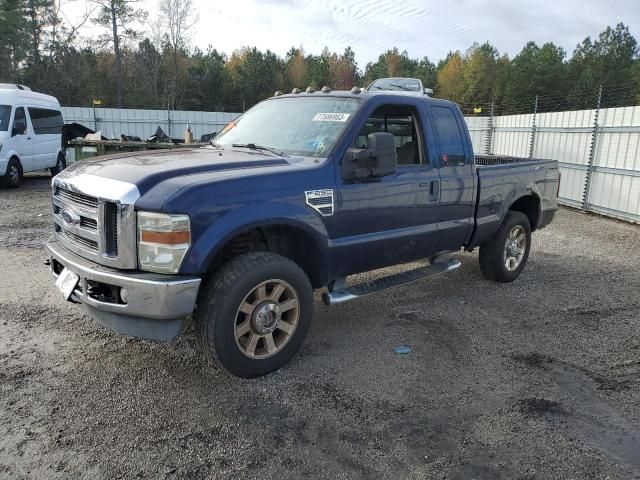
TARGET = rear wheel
(505,255)
(254,313)
(61,164)
(13,175)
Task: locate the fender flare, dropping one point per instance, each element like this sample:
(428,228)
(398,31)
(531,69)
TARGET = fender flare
(223,229)
(531,190)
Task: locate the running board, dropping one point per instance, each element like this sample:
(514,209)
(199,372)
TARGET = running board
(341,293)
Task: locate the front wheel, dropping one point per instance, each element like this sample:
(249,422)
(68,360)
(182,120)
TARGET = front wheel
(505,255)
(254,313)
(61,164)
(13,175)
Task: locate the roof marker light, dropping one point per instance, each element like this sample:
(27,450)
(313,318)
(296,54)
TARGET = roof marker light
(310,89)
(296,90)
(325,89)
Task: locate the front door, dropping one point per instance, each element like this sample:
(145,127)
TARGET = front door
(374,224)
(21,142)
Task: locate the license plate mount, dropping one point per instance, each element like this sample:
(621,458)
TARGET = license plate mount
(66,282)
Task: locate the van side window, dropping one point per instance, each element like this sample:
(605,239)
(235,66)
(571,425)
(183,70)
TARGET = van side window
(402,122)
(19,118)
(46,121)
(451,145)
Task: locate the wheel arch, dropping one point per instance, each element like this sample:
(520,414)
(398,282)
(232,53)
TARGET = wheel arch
(528,203)
(294,239)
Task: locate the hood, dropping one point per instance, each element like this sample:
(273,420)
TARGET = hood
(149,168)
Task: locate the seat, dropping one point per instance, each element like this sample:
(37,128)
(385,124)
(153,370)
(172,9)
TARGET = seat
(407,154)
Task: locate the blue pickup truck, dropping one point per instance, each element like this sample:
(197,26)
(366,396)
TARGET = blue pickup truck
(297,194)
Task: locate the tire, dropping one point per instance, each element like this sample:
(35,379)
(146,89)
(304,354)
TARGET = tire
(13,175)
(233,309)
(500,259)
(61,164)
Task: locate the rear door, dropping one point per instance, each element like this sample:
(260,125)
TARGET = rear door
(457,178)
(21,143)
(47,129)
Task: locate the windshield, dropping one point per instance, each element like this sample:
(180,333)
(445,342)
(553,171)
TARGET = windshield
(5,114)
(308,126)
(402,84)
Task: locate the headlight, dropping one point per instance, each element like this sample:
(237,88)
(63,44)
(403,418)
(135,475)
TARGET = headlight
(163,241)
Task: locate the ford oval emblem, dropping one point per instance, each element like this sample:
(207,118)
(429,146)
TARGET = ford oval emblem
(70,217)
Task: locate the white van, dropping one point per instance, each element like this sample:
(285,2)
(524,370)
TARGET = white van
(30,134)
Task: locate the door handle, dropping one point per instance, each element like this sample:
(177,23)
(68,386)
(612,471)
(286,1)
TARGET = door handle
(28,138)
(434,190)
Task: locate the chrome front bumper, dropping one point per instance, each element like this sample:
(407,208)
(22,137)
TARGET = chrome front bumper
(155,304)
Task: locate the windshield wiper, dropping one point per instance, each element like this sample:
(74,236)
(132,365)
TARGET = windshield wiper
(214,144)
(401,87)
(253,146)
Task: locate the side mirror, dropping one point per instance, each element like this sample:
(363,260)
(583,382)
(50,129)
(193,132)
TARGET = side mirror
(19,128)
(379,160)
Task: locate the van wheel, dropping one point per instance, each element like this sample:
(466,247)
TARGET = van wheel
(61,164)
(13,175)
(254,313)
(505,255)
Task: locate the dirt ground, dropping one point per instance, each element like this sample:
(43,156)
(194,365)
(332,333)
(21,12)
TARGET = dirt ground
(536,379)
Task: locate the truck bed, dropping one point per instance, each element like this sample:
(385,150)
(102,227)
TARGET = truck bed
(502,180)
(487,160)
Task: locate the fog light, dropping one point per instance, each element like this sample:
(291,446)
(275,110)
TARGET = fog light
(123,295)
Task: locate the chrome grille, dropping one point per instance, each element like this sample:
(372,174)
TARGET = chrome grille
(93,231)
(77,198)
(95,217)
(88,223)
(77,239)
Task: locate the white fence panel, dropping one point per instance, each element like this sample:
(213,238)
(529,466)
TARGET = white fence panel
(566,137)
(613,187)
(113,122)
(478,130)
(512,135)
(615,182)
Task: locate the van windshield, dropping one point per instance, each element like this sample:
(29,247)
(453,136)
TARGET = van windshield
(308,126)
(5,114)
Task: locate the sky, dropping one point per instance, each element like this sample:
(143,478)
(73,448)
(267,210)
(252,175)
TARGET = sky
(421,27)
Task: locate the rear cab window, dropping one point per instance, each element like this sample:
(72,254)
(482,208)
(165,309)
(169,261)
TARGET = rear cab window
(46,121)
(452,151)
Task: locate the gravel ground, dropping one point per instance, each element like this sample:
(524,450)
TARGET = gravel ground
(531,380)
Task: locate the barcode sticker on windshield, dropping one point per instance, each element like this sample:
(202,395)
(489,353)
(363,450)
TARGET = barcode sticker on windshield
(330,117)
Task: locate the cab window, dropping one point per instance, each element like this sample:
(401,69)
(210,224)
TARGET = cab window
(449,135)
(402,122)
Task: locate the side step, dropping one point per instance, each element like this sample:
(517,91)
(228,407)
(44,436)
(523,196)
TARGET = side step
(340,293)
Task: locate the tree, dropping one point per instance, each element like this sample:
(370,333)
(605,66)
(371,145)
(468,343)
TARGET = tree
(537,71)
(179,18)
(118,16)
(296,68)
(450,78)
(14,34)
(607,61)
